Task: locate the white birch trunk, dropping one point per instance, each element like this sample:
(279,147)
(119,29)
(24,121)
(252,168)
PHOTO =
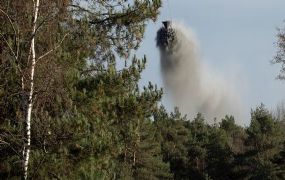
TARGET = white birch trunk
(26,151)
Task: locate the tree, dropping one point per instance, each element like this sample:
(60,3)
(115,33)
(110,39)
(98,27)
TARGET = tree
(280,56)
(235,134)
(125,115)
(264,141)
(71,47)
(220,155)
(26,151)
(173,138)
(20,41)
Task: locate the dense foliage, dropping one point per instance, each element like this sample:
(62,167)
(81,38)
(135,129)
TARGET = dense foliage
(90,120)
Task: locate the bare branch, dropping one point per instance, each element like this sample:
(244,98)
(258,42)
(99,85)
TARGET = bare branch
(3,142)
(11,49)
(10,20)
(81,8)
(53,49)
(44,20)
(14,29)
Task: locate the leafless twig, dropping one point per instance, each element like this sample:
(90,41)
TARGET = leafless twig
(53,49)
(16,34)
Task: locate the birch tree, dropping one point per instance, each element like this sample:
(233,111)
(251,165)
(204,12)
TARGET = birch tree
(26,151)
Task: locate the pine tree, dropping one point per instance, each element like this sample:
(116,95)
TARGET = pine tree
(173,137)
(264,142)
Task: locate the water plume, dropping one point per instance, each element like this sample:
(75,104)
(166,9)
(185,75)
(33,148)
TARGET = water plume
(192,85)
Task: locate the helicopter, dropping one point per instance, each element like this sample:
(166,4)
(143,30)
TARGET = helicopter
(166,24)
(166,35)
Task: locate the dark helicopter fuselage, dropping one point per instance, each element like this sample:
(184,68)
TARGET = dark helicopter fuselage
(165,35)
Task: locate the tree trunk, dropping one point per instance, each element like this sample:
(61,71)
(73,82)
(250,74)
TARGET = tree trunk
(26,151)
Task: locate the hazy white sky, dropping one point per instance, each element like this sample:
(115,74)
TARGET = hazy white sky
(236,37)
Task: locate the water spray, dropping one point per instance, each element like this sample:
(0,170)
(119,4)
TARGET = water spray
(191,85)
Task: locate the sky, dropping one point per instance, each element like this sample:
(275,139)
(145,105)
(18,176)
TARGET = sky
(236,37)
